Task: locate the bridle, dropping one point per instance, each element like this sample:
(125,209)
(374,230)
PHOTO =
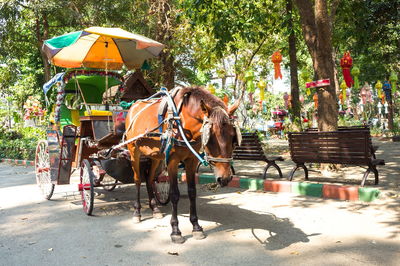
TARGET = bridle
(206,133)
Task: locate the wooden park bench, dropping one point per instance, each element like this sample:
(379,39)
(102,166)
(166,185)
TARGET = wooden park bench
(348,147)
(374,148)
(251,149)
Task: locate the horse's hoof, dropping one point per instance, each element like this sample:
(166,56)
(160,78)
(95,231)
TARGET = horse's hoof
(157,215)
(177,239)
(198,235)
(136,219)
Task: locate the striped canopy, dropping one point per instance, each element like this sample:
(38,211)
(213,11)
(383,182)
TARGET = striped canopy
(104,48)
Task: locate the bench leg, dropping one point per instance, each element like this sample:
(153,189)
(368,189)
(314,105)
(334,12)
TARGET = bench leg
(294,170)
(370,169)
(365,176)
(233,170)
(273,164)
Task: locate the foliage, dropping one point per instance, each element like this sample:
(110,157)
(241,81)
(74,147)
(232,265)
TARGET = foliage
(370,30)
(20,143)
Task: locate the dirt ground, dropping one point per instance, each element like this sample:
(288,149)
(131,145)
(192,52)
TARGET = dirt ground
(242,227)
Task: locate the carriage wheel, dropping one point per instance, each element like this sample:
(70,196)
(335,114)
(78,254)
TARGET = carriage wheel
(109,183)
(42,169)
(161,187)
(86,187)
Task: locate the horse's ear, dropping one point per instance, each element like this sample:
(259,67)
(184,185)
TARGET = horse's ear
(204,108)
(233,107)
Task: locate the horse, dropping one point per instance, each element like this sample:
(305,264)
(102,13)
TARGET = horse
(207,122)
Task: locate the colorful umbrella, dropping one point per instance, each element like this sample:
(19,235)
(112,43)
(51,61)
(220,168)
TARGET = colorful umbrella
(97,47)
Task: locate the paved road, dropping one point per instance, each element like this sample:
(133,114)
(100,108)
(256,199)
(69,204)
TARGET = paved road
(243,228)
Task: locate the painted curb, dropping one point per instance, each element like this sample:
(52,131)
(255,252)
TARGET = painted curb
(18,162)
(326,191)
(307,189)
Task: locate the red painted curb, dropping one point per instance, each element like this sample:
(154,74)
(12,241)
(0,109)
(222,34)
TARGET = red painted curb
(277,186)
(340,192)
(235,182)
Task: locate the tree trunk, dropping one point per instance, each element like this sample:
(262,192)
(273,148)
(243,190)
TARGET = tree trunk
(316,25)
(163,11)
(40,39)
(294,81)
(327,108)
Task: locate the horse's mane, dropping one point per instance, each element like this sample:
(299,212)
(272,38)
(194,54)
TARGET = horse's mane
(218,109)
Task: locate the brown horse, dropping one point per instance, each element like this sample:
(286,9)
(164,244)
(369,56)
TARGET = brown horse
(200,111)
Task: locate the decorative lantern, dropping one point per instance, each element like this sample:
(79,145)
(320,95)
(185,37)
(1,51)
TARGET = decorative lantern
(380,108)
(262,85)
(355,71)
(341,98)
(387,88)
(363,94)
(226,99)
(315,98)
(393,79)
(343,86)
(301,99)
(277,59)
(369,93)
(305,75)
(286,99)
(211,88)
(378,87)
(346,62)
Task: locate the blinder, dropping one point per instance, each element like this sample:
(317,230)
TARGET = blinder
(206,131)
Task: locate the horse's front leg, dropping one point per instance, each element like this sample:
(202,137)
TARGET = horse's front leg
(190,168)
(176,235)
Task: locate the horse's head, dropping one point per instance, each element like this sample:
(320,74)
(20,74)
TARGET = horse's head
(220,135)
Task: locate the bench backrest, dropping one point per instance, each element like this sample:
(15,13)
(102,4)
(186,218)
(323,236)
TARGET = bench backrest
(250,149)
(341,147)
(340,128)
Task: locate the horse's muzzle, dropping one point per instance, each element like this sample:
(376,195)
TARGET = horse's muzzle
(223,181)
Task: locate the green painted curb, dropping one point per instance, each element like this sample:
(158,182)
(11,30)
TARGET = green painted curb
(205,179)
(307,189)
(368,194)
(252,183)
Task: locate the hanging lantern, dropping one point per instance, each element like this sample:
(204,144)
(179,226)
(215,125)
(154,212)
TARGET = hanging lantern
(346,62)
(380,108)
(277,59)
(378,87)
(251,98)
(387,89)
(305,75)
(341,98)
(286,99)
(315,98)
(363,95)
(264,107)
(355,71)
(211,88)
(343,86)
(393,79)
(262,85)
(226,99)
(301,99)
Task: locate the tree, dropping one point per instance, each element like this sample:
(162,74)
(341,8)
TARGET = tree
(294,81)
(317,30)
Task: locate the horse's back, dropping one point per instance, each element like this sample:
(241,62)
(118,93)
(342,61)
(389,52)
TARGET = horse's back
(142,117)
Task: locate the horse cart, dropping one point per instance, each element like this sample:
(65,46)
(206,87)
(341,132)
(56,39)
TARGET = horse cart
(81,134)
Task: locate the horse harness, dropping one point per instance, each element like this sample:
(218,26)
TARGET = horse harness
(169,114)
